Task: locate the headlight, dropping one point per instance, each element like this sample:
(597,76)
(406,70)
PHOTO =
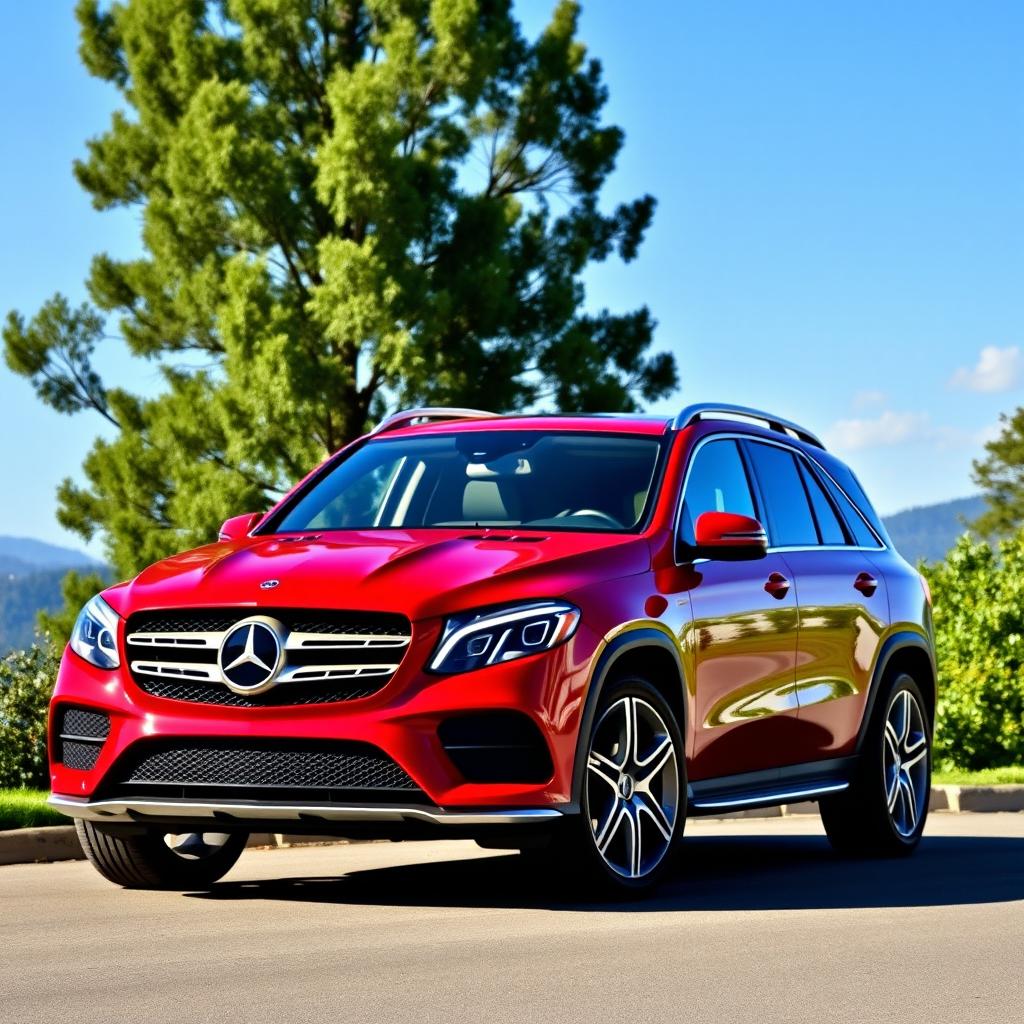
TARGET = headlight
(474,640)
(95,634)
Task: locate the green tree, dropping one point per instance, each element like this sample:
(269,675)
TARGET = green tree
(26,683)
(979,632)
(1000,474)
(345,205)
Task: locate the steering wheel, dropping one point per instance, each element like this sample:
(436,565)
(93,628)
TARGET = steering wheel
(597,513)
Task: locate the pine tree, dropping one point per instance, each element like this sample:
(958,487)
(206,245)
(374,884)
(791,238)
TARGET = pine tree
(346,205)
(1000,474)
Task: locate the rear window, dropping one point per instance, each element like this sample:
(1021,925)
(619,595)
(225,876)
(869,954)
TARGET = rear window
(860,502)
(830,525)
(862,535)
(790,522)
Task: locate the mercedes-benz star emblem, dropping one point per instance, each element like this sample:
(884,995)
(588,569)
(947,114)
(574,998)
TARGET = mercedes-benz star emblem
(250,656)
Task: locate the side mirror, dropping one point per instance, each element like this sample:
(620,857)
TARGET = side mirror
(239,527)
(728,537)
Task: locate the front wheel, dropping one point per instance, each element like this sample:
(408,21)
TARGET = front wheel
(634,793)
(155,860)
(883,813)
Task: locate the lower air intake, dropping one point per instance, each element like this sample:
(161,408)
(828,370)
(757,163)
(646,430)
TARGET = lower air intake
(262,770)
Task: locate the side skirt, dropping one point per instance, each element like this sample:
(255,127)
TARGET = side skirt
(770,788)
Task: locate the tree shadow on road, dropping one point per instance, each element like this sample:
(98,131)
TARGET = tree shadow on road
(713,873)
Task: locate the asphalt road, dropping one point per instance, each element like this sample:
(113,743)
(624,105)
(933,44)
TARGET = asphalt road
(761,924)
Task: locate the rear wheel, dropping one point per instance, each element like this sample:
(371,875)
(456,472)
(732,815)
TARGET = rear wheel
(883,813)
(154,860)
(634,793)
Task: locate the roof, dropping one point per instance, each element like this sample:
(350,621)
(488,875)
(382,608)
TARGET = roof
(602,423)
(439,420)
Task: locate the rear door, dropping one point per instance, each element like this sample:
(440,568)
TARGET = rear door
(841,596)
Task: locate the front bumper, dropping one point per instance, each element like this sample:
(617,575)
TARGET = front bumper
(401,720)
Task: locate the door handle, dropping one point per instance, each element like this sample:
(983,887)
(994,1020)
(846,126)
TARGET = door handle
(777,586)
(866,584)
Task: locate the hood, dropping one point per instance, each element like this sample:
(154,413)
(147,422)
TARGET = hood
(420,574)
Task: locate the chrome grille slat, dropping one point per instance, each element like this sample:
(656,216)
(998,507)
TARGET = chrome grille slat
(191,640)
(306,674)
(180,670)
(340,641)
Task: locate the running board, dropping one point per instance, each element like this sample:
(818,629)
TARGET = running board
(770,788)
(782,796)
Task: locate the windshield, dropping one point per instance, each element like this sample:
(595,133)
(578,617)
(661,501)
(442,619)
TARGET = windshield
(528,479)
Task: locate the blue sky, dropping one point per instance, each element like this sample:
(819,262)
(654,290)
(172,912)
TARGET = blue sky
(839,234)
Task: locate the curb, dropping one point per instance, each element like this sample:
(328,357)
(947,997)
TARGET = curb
(60,842)
(48,843)
(51,843)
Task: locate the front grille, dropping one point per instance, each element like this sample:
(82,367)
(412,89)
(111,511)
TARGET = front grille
(329,656)
(256,769)
(81,733)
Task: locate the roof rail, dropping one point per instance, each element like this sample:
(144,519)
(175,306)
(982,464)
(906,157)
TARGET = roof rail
(427,414)
(712,410)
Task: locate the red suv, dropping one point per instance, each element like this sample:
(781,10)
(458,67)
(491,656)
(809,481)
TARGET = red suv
(557,633)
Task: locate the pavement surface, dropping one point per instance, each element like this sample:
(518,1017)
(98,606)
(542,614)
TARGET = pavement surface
(760,923)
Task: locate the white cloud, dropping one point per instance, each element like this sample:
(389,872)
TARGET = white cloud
(997,369)
(882,431)
(956,438)
(889,429)
(867,398)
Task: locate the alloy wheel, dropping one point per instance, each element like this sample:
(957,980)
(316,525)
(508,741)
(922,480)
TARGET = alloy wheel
(632,787)
(905,763)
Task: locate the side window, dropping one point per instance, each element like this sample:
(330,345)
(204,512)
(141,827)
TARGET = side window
(862,535)
(717,482)
(829,525)
(790,522)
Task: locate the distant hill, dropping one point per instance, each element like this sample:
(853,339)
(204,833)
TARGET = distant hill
(30,575)
(33,555)
(929,531)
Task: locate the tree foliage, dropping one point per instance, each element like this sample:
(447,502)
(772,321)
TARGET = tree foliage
(979,624)
(344,205)
(1000,474)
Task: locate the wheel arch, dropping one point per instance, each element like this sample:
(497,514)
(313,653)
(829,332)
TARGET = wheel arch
(909,652)
(648,650)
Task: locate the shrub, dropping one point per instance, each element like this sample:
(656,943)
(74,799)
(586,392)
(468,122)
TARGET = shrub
(26,682)
(979,634)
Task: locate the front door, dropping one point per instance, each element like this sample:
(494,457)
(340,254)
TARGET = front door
(742,637)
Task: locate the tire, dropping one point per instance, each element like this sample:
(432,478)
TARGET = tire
(634,787)
(157,860)
(884,811)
